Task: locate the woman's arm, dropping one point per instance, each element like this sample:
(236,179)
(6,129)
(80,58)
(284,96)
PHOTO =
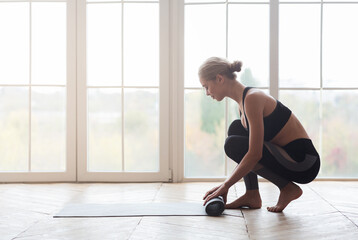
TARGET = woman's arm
(254,106)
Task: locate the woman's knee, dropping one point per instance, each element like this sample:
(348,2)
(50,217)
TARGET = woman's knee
(236,147)
(236,128)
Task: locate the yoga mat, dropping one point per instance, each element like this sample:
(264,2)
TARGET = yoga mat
(132,209)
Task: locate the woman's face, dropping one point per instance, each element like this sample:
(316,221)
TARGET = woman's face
(213,88)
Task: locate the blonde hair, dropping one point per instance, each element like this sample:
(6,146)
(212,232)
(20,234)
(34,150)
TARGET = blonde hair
(215,65)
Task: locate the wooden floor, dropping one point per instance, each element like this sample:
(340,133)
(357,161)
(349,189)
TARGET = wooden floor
(326,210)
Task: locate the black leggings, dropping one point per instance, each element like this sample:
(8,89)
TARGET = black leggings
(278,168)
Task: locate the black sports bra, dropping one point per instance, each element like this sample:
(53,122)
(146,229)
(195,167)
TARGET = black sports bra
(274,122)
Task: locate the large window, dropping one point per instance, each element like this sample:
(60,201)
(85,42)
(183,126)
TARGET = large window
(121,91)
(36,121)
(123,83)
(317,77)
(107,90)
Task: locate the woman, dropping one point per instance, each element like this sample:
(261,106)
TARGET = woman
(268,141)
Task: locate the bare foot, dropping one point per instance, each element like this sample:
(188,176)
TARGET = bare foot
(250,199)
(287,195)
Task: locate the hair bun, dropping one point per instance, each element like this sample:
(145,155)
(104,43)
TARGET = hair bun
(236,66)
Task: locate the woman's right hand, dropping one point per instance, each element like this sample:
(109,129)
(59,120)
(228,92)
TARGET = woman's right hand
(221,190)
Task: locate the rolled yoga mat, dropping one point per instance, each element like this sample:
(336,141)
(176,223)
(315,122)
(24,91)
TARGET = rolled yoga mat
(132,209)
(215,207)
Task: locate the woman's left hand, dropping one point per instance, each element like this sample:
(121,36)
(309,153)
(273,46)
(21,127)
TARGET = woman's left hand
(221,190)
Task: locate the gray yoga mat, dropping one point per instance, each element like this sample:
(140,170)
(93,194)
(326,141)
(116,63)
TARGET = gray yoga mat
(132,209)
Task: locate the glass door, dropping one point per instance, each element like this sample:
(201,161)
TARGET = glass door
(123,92)
(37,91)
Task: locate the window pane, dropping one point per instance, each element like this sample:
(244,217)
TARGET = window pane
(14,43)
(141,130)
(340,49)
(340,131)
(104,64)
(104,129)
(204,135)
(141,44)
(48,129)
(305,104)
(204,37)
(249,42)
(299,45)
(48,38)
(14,128)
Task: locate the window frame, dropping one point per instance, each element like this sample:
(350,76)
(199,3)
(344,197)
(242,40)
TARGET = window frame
(273,87)
(164,173)
(69,175)
(171,95)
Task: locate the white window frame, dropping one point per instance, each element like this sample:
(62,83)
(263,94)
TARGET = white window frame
(178,156)
(69,175)
(164,173)
(171,98)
